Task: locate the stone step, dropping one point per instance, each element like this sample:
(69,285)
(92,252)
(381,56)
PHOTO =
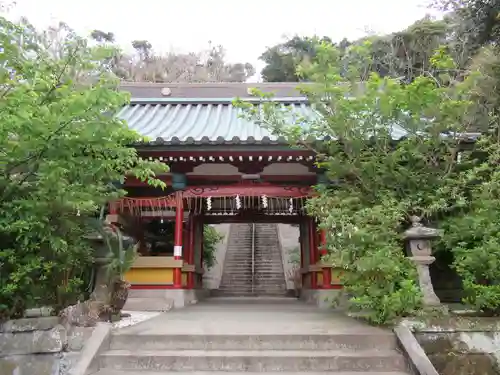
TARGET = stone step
(237,285)
(242,273)
(253,361)
(232,294)
(268,263)
(270,281)
(270,287)
(236,260)
(340,341)
(141,372)
(269,272)
(239,258)
(238,269)
(239,275)
(269,293)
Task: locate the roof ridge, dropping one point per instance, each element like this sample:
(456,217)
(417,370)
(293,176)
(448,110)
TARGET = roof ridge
(208,84)
(228,101)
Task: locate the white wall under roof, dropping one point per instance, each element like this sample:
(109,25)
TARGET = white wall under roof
(273,169)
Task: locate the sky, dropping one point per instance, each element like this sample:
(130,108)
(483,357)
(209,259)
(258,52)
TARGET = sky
(244,28)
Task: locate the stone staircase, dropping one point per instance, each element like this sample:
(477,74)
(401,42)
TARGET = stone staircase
(238,335)
(269,276)
(269,273)
(341,353)
(218,354)
(237,272)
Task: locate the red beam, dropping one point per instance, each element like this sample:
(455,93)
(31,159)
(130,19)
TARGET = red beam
(254,190)
(131,203)
(226,219)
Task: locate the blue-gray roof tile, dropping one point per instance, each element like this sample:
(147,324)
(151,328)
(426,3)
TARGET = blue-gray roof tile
(194,123)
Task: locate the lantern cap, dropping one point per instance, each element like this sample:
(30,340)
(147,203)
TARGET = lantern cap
(419,231)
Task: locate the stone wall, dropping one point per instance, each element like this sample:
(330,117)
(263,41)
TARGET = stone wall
(461,345)
(289,240)
(40,346)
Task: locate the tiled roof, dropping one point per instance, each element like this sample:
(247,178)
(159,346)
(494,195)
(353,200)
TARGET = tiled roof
(188,113)
(199,122)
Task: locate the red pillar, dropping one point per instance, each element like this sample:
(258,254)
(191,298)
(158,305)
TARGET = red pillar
(190,260)
(312,253)
(201,231)
(327,271)
(113,208)
(302,244)
(322,234)
(179,215)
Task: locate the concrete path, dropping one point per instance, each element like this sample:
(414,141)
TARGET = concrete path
(250,316)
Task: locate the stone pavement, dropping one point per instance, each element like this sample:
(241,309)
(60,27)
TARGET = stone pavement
(250,315)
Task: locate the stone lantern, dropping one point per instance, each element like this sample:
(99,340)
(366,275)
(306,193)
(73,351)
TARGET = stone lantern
(101,292)
(419,242)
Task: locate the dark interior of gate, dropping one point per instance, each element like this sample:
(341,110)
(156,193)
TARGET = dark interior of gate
(227,172)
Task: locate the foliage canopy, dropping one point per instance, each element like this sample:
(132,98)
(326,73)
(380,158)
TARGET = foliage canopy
(62,153)
(392,150)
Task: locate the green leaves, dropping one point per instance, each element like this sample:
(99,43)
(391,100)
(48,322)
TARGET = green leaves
(61,150)
(211,239)
(392,152)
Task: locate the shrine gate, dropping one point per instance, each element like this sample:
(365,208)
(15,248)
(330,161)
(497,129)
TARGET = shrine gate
(223,169)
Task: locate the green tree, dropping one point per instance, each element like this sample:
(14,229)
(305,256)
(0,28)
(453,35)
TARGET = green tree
(377,182)
(283,59)
(404,54)
(146,65)
(407,53)
(62,152)
(211,239)
(102,36)
(480,19)
(209,65)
